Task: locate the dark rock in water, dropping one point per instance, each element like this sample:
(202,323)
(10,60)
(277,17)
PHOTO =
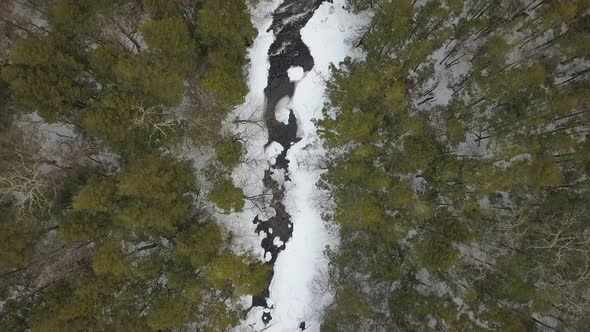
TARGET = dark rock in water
(288,50)
(259,300)
(302,326)
(284,134)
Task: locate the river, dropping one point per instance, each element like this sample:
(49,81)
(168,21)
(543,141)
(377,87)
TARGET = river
(300,40)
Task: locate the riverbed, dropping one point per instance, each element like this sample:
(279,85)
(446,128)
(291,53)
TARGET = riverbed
(297,42)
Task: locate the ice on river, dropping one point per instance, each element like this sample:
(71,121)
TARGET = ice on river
(273,150)
(300,268)
(294,295)
(245,122)
(295,73)
(283,110)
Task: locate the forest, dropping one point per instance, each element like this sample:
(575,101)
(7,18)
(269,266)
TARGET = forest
(459,168)
(102,225)
(455,168)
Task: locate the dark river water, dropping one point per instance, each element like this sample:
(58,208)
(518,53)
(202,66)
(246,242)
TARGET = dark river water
(288,50)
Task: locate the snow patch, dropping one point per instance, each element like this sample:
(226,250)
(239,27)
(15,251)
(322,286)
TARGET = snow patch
(277,242)
(247,122)
(283,110)
(278,175)
(273,150)
(298,269)
(296,73)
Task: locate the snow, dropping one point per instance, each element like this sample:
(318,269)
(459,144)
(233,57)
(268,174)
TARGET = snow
(277,242)
(444,77)
(278,175)
(246,122)
(273,150)
(293,298)
(295,73)
(283,110)
(329,36)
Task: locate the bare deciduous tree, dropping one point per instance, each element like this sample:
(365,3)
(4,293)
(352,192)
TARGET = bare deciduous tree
(27,181)
(156,119)
(567,246)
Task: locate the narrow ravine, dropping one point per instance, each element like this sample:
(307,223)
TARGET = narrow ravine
(290,61)
(286,52)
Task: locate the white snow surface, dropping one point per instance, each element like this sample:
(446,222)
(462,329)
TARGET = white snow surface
(295,289)
(277,242)
(283,110)
(247,122)
(295,73)
(295,296)
(273,150)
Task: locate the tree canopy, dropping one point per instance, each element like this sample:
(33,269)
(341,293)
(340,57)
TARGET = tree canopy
(103,226)
(463,127)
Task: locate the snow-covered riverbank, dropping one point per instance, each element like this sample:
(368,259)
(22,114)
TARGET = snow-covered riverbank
(296,289)
(296,295)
